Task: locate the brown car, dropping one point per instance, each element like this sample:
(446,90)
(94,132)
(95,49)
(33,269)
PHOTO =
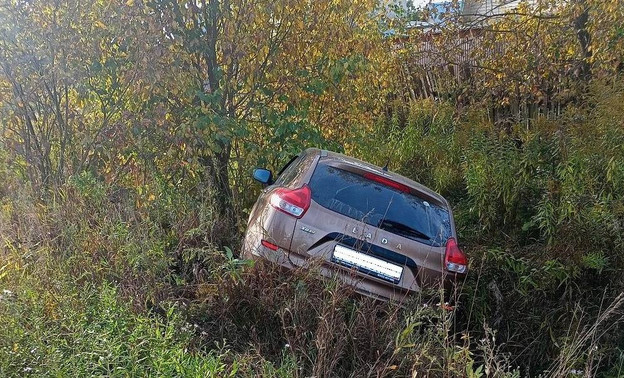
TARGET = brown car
(386,235)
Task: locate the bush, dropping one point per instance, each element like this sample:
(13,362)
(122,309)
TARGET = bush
(536,208)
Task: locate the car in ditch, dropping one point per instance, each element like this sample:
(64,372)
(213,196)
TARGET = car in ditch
(380,232)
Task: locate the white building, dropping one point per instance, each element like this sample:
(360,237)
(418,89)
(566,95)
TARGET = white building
(490,7)
(471,8)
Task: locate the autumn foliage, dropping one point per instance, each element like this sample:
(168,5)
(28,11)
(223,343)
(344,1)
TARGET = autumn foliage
(128,130)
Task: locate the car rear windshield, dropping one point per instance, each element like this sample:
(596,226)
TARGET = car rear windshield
(378,205)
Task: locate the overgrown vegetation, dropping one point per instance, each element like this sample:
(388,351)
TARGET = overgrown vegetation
(538,209)
(128,130)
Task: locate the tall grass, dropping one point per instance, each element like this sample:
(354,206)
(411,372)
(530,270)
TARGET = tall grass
(105,278)
(99,283)
(539,209)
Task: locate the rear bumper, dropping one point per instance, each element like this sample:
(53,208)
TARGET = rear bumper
(363,284)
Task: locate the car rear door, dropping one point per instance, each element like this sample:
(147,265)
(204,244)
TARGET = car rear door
(341,226)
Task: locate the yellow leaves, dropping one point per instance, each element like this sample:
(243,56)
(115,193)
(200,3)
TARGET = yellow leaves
(205,291)
(51,308)
(571,51)
(607,36)
(4,271)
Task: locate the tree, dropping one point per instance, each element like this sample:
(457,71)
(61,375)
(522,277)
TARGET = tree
(72,70)
(261,67)
(530,60)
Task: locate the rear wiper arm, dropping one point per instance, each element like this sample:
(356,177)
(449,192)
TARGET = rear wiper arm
(404,229)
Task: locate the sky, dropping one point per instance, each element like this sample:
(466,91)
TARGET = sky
(419,3)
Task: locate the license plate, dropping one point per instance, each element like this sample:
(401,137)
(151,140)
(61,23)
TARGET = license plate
(367,264)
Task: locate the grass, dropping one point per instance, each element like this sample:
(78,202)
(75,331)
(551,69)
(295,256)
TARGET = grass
(101,279)
(80,300)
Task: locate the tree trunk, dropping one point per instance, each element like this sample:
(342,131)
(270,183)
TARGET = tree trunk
(584,38)
(217,179)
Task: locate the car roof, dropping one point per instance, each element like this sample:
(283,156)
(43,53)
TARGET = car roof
(329,156)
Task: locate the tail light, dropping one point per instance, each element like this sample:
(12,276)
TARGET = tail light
(293,202)
(454,259)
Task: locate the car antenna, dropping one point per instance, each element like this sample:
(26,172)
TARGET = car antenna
(385,167)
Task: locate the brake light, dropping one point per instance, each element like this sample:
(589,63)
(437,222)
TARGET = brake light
(386,181)
(454,259)
(293,202)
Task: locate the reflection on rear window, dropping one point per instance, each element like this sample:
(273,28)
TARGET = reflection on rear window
(378,205)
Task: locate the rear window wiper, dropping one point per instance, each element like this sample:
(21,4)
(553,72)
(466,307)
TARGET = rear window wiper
(401,229)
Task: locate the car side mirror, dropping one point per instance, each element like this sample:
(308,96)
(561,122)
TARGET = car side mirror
(264,176)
